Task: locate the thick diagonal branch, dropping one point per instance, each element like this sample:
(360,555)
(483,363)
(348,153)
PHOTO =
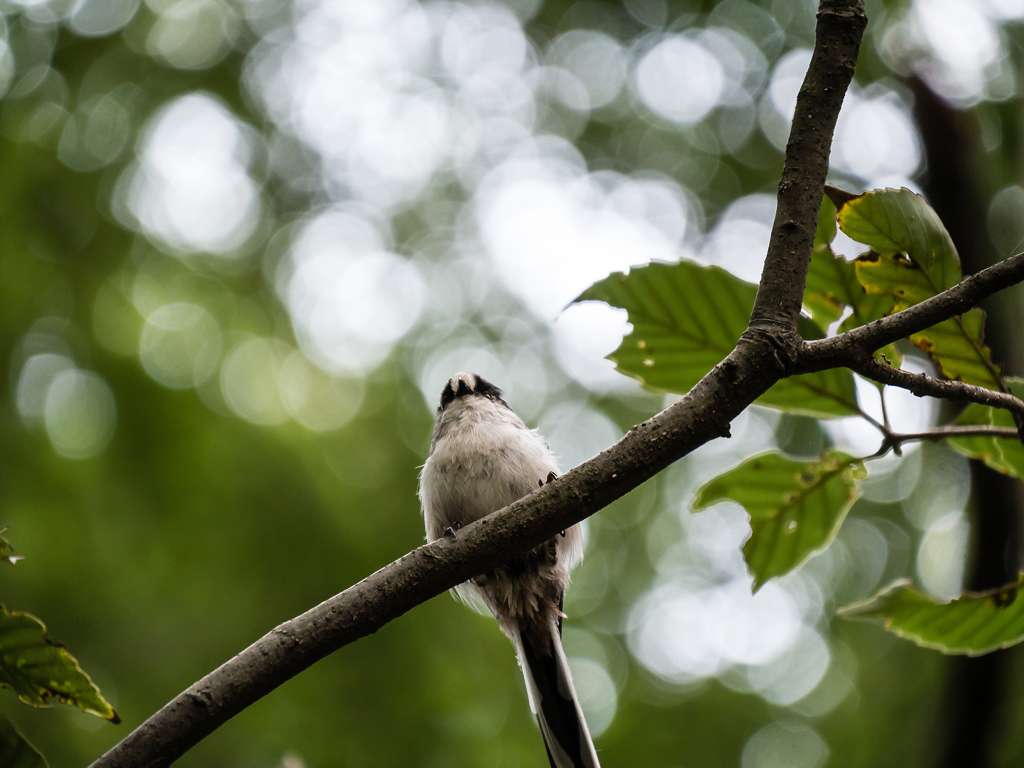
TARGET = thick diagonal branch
(431,570)
(705,413)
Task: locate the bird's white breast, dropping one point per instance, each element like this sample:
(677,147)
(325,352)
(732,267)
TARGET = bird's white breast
(482,458)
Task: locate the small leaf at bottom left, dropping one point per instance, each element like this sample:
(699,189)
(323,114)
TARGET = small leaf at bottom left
(38,669)
(15,751)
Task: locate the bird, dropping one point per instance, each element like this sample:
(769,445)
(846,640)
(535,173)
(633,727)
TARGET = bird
(483,457)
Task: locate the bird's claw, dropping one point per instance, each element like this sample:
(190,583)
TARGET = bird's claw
(449,530)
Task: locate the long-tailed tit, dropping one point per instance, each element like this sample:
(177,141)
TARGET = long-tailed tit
(482,458)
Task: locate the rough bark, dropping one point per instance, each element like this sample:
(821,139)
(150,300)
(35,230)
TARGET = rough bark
(837,43)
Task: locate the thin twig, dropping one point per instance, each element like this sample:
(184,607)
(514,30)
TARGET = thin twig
(892,441)
(921,384)
(885,410)
(846,349)
(946,433)
(872,420)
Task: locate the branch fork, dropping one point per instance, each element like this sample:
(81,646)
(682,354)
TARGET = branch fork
(768,351)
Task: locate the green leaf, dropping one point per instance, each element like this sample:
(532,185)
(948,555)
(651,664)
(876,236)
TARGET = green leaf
(824,307)
(1001,454)
(826,230)
(897,222)
(7,552)
(825,295)
(823,395)
(15,750)
(832,285)
(37,669)
(957,345)
(913,259)
(821,297)
(795,507)
(973,624)
(686,318)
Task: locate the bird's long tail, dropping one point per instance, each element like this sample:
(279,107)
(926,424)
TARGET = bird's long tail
(553,700)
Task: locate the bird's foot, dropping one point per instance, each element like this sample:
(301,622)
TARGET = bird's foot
(449,530)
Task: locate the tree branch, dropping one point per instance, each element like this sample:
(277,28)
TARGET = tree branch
(921,384)
(430,570)
(892,441)
(853,349)
(846,349)
(837,42)
(751,369)
(945,433)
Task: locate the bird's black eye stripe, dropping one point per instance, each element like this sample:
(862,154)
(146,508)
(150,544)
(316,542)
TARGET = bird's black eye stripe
(480,386)
(488,390)
(447,395)
(485,388)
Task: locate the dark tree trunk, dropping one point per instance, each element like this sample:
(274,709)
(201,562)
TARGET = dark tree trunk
(972,718)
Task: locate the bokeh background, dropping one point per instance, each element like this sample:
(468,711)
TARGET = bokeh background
(243,244)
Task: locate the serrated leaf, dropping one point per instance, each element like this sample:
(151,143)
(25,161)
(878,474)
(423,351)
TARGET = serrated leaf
(686,318)
(37,669)
(796,507)
(1001,454)
(15,750)
(973,624)
(836,278)
(913,259)
(898,221)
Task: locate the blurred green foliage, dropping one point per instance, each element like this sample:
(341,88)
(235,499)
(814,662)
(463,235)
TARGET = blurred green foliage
(171,515)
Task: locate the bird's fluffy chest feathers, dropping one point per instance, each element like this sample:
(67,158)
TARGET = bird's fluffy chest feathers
(482,458)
